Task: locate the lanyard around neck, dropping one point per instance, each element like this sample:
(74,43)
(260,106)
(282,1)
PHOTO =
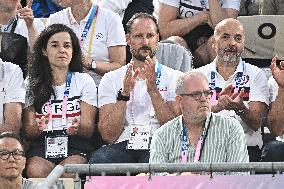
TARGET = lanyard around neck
(64,104)
(92,20)
(199,146)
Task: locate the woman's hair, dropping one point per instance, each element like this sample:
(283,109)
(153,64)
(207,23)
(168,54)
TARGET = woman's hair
(39,70)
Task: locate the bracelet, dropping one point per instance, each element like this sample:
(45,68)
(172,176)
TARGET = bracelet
(122,97)
(240,112)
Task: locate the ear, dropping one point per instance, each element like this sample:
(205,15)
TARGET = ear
(44,52)
(178,99)
(127,36)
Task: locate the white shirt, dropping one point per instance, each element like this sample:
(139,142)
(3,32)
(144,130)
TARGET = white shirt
(190,8)
(140,110)
(82,88)
(255,83)
(12,87)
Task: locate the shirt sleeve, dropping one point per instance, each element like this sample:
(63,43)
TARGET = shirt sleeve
(107,90)
(273,89)
(15,89)
(115,31)
(232,4)
(89,91)
(259,88)
(173,3)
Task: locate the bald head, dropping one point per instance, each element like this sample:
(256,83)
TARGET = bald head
(228,23)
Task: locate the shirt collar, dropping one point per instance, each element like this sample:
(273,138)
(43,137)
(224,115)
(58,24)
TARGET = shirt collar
(72,19)
(240,67)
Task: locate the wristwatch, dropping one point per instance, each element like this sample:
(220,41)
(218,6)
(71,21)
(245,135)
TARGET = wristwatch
(122,97)
(94,64)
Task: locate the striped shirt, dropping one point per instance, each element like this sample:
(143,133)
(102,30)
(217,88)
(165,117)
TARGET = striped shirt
(225,142)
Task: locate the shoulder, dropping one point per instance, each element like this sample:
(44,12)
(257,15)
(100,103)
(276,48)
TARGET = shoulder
(169,128)
(204,69)
(225,122)
(253,70)
(11,68)
(170,71)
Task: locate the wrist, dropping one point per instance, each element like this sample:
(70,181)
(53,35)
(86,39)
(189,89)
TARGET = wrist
(122,96)
(241,110)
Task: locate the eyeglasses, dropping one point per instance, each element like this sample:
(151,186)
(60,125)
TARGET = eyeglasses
(198,94)
(17,154)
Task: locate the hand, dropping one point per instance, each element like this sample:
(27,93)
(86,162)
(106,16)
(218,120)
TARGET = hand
(73,129)
(229,101)
(26,13)
(278,74)
(130,79)
(43,122)
(150,74)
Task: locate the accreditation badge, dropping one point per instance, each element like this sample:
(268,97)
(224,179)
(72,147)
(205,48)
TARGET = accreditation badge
(139,137)
(56,147)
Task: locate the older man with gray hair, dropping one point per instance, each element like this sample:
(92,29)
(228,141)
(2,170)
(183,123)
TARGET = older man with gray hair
(198,135)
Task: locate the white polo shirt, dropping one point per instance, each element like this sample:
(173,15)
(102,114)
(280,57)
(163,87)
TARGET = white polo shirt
(255,84)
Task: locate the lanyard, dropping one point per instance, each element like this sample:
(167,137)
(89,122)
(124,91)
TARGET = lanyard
(64,104)
(238,83)
(6,29)
(158,68)
(203,4)
(92,20)
(199,146)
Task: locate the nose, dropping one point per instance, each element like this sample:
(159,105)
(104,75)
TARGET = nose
(145,41)
(11,157)
(61,49)
(232,41)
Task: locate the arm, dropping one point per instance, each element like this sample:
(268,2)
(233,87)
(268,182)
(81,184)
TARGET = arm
(252,115)
(117,56)
(164,111)
(158,152)
(223,13)
(26,13)
(12,118)
(170,25)
(275,120)
(88,116)
(112,119)
(31,127)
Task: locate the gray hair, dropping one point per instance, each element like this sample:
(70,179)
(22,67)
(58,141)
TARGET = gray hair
(180,82)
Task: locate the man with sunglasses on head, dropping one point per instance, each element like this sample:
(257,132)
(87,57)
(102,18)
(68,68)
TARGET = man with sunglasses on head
(240,90)
(198,135)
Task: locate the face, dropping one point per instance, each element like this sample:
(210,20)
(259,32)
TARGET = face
(11,167)
(59,50)
(143,39)
(195,110)
(229,42)
(8,5)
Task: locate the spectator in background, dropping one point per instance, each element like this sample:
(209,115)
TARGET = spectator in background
(249,7)
(239,89)
(135,99)
(195,21)
(12,97)
(14,27)
(271,7)
(61,103)
(274,150)
(103,43)
(196,122)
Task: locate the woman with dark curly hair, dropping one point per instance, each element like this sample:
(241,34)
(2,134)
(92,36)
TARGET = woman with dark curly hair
(60,105)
